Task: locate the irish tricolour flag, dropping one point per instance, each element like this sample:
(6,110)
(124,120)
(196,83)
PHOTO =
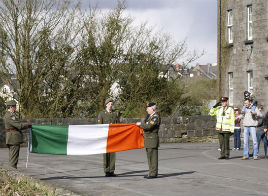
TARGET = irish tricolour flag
(85,139)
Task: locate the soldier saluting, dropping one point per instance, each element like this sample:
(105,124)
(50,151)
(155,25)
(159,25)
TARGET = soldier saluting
(14,135)
(151,140)
(224,126)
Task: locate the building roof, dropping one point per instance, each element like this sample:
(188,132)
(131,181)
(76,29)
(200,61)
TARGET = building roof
(206,71)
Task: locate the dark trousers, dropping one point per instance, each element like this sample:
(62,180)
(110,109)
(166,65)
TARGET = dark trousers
(14,152)
(237,138)
(261,136)
(152,157)
(109,162)
(224,139)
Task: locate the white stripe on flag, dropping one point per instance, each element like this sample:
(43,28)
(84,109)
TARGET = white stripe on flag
(87,139)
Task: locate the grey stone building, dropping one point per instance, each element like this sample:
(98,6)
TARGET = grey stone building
(243,50)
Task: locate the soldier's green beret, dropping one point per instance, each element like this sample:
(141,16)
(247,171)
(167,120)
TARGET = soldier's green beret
(11,103)
(108,100)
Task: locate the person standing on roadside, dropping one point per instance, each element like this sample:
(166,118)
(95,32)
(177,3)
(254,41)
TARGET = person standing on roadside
(14,135)
(108,116)
(151,126)
(260,132)
(237,130)
(224,126)
(265,124)
(250,122)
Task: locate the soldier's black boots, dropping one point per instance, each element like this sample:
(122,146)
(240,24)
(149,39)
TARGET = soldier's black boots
(226,158)
(110,174)
(150,177)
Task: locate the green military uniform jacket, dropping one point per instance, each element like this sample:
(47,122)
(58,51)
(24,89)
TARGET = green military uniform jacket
(12,122)
(106,117)
(151,128)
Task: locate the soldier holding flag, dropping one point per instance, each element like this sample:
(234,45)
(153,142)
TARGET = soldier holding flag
(14,135)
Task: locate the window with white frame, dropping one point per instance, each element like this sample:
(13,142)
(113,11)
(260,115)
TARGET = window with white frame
(230,26)
(249,22)
(231,88)
(250,81)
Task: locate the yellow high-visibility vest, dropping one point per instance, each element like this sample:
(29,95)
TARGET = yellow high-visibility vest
(225,118)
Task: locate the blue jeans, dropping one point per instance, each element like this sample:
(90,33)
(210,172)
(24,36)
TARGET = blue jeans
(250,131)
(261,136)
(237,139)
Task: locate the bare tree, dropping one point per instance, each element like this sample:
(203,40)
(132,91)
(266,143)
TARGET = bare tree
(66,60)
(36,40)
(113,50)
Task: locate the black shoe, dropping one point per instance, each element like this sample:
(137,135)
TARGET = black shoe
(110,174)
(150,177)
(226,158)
(221,158)
(107,174)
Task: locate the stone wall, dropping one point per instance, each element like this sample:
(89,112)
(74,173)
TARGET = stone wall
(176,129)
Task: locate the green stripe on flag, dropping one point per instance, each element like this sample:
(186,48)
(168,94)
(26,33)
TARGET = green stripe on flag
(49,139)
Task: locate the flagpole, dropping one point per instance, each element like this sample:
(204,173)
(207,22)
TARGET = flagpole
(28,148)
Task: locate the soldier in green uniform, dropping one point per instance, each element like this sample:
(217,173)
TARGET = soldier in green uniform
(151,140)
(108,116)
(13,133)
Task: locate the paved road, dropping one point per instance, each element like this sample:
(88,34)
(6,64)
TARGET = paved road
(184,169)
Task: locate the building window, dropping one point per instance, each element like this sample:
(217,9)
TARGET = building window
(250,81)
(230,26)
(231,88)
(249,22)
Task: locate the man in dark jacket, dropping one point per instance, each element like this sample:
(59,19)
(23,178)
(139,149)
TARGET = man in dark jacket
(151,140)
(262,133)
(14,135)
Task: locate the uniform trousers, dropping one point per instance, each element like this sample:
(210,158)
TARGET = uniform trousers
(152,157)
(224,139)
(14,152)
(109,162)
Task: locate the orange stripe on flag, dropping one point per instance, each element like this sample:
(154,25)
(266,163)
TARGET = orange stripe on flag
(124,137)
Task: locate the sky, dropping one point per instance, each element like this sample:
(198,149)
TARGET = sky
(193,20)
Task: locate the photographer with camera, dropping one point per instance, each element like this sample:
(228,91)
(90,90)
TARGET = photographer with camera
(249,96)
(250,122)
(224,126)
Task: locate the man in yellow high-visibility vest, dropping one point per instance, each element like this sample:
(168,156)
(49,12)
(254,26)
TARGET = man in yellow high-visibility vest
(224,126)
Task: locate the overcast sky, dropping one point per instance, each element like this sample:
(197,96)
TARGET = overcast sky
(195,20)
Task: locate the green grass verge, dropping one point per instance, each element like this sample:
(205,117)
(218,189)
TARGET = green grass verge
(13,183)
